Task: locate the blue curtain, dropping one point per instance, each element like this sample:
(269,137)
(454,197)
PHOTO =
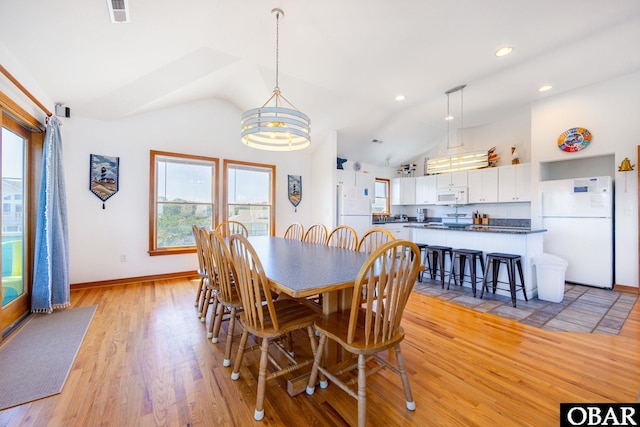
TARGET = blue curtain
(51,287)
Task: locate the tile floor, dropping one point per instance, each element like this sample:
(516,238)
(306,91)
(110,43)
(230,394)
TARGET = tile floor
(583,309)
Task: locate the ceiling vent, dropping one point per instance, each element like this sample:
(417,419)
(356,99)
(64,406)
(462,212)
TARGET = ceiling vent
(118,11)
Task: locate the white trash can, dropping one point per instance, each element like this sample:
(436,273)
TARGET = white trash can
(550,271)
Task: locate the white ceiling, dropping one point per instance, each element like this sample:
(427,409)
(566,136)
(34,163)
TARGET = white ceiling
(341,62)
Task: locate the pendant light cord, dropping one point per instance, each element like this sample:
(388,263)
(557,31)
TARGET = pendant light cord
(277,88)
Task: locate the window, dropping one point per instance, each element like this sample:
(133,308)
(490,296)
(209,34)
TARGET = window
(249,196)
(381,203)
(183,193)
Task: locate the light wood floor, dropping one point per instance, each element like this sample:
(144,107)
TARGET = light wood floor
(146,362)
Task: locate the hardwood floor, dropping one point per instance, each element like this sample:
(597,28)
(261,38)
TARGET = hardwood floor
(146,361)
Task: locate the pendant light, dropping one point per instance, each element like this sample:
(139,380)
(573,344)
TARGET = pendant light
(456,158)
(278,125)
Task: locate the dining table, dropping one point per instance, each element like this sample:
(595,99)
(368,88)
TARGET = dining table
(301,269)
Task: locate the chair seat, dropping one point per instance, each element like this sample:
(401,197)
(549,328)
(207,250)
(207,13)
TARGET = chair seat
(335,326)
(291,314)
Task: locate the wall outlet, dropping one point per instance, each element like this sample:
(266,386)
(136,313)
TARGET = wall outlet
(123,258)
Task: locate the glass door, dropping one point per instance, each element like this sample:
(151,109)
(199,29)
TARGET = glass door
(15,294)
(13,149)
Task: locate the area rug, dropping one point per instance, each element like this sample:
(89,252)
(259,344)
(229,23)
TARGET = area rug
(36,360)
(583,308)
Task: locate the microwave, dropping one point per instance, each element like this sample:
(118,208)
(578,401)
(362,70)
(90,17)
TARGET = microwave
(452,196)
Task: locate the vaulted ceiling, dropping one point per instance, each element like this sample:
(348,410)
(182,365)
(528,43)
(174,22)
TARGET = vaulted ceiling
(341,62)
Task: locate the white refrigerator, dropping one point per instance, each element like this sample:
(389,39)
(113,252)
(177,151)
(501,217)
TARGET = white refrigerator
(578,216)
(354,207)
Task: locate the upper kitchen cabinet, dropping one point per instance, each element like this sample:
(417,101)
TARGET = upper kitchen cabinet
(426,190)
(356,179)
(453,179)
(514,183)
(403,191)
(483,185)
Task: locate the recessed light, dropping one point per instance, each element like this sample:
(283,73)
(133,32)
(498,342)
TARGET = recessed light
(400,97)
(449,117)
(544,88)
(504,51)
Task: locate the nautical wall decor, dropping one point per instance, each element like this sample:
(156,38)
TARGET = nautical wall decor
(104,172)
(295,190)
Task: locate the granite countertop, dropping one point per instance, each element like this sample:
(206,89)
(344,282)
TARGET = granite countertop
(477,228)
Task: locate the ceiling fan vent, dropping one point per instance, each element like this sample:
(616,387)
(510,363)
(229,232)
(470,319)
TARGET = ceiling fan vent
(118,11)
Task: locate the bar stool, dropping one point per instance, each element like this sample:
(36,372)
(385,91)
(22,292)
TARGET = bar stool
(495,259)
(437,254)
(425,259)
(461,255)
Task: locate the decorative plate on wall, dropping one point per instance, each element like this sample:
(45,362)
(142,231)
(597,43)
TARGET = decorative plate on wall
(574,139)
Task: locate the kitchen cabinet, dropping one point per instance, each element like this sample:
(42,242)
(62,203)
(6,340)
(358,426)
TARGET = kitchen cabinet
(452,179)
(403,191)
(514,183)
(398,230)
(426,190)
(356,179)
(483,185)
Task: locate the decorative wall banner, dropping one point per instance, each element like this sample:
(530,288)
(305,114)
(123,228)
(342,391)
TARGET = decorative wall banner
(104,175)
(295,190)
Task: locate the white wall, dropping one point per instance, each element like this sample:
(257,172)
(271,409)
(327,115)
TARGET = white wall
(99,237)
(611,112)
(12,65)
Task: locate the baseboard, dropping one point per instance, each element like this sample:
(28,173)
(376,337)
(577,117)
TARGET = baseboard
(627,289)
(115,282)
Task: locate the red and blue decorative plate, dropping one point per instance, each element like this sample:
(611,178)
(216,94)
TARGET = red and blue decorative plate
(574,139)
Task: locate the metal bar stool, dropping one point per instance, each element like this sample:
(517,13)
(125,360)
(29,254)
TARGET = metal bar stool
(495,259)
(461,255)
(425,259)
(437,254)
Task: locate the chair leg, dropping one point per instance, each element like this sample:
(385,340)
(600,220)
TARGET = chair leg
(262,380)
(452,272)
(411,405)
(496,270)
(235,374)
(229,343)
(512,282)
(314,351)
(199,292)
(524,291)
(214,324)
(362,391)
(311,387)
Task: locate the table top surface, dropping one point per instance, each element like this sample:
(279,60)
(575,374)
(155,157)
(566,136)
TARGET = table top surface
(302,269)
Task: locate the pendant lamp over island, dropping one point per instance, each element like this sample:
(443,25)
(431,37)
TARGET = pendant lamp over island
(278,125)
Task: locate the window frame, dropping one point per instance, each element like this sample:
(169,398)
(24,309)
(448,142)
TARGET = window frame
(387,209)
(225,189)
(153,216)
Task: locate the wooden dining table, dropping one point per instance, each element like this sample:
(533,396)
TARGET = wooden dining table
(300,270)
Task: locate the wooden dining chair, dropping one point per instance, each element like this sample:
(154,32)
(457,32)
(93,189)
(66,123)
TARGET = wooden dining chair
(343,237)
(294,232)
(317,233)
(372,325)
(202,273)
(229,228)
(265,318)
(208,297)
(373,238)
(229,302)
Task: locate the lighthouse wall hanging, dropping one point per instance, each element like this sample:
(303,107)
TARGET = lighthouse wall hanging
(104,172)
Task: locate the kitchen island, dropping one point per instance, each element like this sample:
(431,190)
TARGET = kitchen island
(514,240)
